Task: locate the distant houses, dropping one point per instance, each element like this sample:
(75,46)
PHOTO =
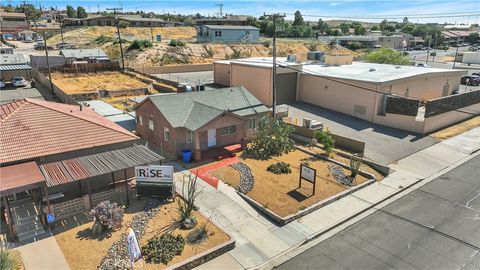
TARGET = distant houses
(227,34)
(89,55)
(110,21)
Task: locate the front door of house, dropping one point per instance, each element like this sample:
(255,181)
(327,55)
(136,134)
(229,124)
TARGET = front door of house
(212,137)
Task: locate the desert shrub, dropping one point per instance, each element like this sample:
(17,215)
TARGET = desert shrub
(162,249)
(139,44)
(324,137)
(187,205)
(176,43)
(10,260)
(355,162)
(270,140)
(312,46)
(209,51)
(236,54)
(198,235)
(106,215)
(102,39)
(279,168)
(116,41)
(123,24)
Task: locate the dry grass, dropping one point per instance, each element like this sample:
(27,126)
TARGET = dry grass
(74,239)
(165,218)
(280,193)
(91,82)
(456,129)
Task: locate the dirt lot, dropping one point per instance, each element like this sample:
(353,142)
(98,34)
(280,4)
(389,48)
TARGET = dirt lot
(456,129)
(166,216)
(71,238)
(75,235)
(280,193)
(91,82)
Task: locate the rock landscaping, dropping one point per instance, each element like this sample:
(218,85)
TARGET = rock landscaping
(117,257)
(246,177)
(340,176)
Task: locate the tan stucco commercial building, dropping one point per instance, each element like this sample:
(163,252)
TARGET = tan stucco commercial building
(362,90)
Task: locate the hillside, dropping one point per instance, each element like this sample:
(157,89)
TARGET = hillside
(192,53)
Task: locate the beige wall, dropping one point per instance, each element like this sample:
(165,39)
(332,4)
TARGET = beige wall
(337,60)
(256,79)
(440,121)
(336,96)
(399,121)
(423,87)
(221,74)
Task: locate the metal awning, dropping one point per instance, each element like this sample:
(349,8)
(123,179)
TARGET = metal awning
(15,67)
(20,177)
(65,171)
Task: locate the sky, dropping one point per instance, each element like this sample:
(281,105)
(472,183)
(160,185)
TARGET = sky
(311,9)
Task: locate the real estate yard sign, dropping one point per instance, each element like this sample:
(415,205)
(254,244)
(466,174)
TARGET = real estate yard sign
(154,180)
(309,174)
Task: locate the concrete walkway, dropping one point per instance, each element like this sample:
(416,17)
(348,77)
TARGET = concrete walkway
(44,254)
(260,242)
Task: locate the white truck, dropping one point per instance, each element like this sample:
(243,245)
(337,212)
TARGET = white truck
(471,58)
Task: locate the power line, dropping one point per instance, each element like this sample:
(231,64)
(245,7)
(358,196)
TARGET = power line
(117,22)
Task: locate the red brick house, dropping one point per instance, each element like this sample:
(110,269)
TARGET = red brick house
(199,120)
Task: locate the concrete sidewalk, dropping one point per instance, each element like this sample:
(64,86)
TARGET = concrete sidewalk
(44,254)
(259,242)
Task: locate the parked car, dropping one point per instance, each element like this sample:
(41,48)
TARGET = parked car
(65,45)
(470,80)
(473,49)
(422,65)
(433,54)
(2,83)
(19,81)
(41,46)
(28,40)
(418,48)
(476,74)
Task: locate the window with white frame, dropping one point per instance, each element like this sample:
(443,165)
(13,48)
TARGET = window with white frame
(189,136)
(252,123)
(140,120)
(228,130)
(150,125)
(166,134)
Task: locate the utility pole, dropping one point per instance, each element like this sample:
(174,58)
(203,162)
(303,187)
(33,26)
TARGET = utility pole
(48,63)
(220,10)
(456,52)
(274,17)
(25,10)
(61,25)
(117,22)
(151,28)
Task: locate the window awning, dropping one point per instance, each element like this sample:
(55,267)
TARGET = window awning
(15,67)
(20,177)
(65,171)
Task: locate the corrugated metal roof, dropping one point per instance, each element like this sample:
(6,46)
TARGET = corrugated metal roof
(230,27)
(62,172)
(15,67)
(33,128)
(82,53)
(18,177)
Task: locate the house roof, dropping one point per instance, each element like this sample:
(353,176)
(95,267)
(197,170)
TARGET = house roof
(19,177)
(133,19)
(192,110)
(12,15)
(82,53)
(230,27)
(34,128)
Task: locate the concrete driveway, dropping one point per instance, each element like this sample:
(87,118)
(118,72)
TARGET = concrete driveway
(433,227)
(384,145)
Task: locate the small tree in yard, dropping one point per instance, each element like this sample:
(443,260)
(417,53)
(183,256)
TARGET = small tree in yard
(355,163)
(10,260)
(325,138)
(106,215)
(270,140)
(187,205)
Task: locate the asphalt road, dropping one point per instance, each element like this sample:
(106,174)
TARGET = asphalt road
(434,227)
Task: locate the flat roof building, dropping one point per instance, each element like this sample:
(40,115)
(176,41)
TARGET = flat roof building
(227,34)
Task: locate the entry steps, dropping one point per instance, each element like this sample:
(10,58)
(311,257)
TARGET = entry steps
(27,221)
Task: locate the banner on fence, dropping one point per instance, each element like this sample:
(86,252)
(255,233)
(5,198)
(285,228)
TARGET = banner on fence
(154,174)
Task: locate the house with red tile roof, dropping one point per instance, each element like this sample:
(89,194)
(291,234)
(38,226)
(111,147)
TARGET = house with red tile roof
(53,154)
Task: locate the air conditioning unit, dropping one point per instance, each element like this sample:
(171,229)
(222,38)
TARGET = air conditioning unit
(315,57)
(291,58)
(307,122)
(200,87)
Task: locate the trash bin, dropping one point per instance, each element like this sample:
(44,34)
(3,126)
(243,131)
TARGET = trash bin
(186,155)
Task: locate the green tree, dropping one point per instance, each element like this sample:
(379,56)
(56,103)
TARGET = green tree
(374,28)
(325,137)
(387,56)
(473,38)
(322,26)
(405,20)
(252,21)
(71,13)
(32,13)
(408,28)
(383,24)
(10,259)
(359,29)
(81,12)
(345,28)
(298,19)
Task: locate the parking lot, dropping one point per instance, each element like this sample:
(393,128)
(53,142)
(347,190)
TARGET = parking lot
(10,93)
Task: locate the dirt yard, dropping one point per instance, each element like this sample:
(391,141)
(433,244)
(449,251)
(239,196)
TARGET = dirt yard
(280,193)
(456,129)
(165,218)
(75,235)
(91,82)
